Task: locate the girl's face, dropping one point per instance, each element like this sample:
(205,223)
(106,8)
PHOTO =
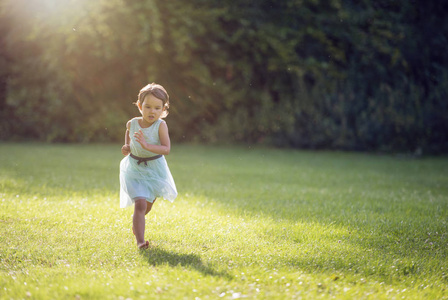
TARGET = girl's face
(151,109)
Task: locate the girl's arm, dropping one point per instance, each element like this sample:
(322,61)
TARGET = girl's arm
(126,149)
(165,144)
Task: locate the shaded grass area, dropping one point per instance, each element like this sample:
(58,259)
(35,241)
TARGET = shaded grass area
(248,223)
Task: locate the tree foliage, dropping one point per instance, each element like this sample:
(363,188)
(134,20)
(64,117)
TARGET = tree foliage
(339,74)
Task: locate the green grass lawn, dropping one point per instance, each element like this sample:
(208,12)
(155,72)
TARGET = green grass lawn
(249,223)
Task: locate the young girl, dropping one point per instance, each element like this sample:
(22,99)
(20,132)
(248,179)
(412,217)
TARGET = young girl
(144,173)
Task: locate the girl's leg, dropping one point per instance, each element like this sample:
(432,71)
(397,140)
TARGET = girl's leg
(148,209)
(138,221)
(149,206)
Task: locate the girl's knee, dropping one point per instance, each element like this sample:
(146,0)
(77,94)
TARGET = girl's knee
(140,205)
(149,207)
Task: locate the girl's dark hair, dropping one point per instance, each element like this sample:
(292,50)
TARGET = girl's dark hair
(157,91)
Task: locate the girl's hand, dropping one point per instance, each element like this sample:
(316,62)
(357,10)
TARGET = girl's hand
(126,149)
(140,138)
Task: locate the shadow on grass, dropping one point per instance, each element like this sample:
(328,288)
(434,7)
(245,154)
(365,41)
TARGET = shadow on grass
(156,256)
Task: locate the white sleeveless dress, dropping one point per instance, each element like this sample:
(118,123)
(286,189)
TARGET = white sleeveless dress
(150,180)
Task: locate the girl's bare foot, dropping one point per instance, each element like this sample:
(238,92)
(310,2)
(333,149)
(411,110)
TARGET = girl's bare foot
(144,245)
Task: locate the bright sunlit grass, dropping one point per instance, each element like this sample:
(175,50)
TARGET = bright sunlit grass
(248,223)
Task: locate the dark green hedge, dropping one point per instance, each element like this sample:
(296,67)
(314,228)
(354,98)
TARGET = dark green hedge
(356,75)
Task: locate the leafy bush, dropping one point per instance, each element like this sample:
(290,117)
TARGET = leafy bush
(340,75)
